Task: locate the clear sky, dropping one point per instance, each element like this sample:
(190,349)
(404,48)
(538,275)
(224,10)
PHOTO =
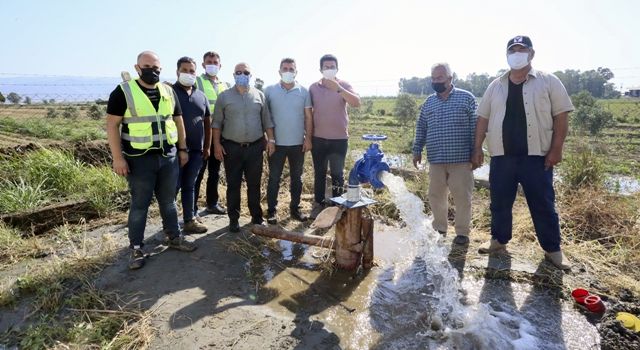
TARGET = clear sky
(376,42)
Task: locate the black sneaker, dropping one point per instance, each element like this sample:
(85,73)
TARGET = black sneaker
(461,240)
(216,209)
(234,226)
(272,218)
(257,221)
(136,260)
(181,244)
(298,215)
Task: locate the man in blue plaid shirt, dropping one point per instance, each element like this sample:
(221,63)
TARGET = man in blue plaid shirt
(446,125)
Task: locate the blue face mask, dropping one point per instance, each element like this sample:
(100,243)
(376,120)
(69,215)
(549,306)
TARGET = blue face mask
(242,80)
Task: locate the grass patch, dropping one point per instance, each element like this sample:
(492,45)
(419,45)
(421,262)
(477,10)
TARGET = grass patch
(82,129)
(14,247)
(47,175)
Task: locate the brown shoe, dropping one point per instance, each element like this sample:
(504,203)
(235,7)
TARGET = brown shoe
(136,260)
(181,244)
(194,226)
(558,259)
(492,246)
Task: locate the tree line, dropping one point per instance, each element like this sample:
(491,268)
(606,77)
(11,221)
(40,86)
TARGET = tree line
(595,81)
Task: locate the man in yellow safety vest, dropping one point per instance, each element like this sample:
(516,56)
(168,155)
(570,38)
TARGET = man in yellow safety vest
(144,126)
(209,83)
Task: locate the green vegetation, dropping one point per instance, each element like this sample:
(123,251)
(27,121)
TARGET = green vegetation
(46,176)
(55,129)
(589,116)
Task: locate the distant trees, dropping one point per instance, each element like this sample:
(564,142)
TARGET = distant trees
(14,98)
(416,86)
(27,100)
(2,99)
(596,81)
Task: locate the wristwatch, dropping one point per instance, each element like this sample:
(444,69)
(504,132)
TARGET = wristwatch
(183,150)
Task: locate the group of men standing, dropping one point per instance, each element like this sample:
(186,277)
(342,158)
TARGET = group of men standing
(523,115)
(164,136)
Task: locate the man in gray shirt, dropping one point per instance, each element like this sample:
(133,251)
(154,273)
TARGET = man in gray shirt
(290,106)
(240,119)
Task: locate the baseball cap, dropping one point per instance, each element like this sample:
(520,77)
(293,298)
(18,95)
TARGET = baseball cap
(520,40)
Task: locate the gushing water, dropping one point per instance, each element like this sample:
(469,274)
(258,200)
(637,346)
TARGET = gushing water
(416,301)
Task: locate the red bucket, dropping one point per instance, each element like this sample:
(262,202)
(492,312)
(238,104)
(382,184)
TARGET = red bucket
(594,304)
(579,295)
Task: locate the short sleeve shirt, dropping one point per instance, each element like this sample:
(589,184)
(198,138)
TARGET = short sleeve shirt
(195,109)
(330,118)
(242,117)
(544,98)
(287,110)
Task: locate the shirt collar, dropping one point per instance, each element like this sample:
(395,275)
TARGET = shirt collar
(296,86)
(532,73)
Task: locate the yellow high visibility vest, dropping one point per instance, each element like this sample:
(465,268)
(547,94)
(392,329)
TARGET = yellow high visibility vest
(210,90)
(141,116)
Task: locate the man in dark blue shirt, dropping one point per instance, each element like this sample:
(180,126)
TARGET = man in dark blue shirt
(197,125)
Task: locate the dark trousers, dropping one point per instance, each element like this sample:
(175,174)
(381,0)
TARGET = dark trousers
(276,163)
(245,161)
(504,175)
(213,165)
(332,153)
(149,174)
(186,184)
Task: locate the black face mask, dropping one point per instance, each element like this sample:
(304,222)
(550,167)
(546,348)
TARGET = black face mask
(438,87)
(150,75)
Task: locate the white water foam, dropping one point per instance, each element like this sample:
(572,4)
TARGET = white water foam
(473,327)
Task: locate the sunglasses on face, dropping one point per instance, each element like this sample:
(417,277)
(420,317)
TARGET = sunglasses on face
(241,72)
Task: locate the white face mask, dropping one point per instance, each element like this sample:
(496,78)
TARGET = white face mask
(212,69)
(288,77)
(518,60)
(329,73)
(186,79)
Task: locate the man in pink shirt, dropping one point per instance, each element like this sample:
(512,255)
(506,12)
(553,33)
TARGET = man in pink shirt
(329,98)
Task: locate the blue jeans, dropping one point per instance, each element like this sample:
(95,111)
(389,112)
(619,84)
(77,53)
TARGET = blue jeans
(149,174)
(186,184)
(276,164)
(504,175)
(332,153)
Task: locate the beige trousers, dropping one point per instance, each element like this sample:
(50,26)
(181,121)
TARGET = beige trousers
(457,178)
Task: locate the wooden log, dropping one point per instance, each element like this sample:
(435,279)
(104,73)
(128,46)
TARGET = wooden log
(40,220)
(367,237)
(348,241)
(279,233)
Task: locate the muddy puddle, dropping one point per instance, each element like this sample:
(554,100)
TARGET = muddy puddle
(415,298)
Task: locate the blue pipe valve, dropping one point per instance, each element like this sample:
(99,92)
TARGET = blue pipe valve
(368,168)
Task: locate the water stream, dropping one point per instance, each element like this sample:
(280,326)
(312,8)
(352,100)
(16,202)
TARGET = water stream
(416,299)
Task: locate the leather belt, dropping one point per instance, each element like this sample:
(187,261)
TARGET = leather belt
(244,144)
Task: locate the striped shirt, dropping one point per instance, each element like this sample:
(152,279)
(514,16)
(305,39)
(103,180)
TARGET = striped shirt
(447,127)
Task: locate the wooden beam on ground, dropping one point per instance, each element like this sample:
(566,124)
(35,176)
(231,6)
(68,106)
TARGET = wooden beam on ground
(279,233)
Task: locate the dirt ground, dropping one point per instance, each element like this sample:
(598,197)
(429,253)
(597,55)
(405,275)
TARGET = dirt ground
(204,299)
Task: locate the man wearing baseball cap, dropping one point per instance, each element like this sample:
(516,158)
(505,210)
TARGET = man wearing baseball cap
(524,116)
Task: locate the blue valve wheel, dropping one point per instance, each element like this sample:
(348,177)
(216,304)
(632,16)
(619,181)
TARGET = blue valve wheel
(374,137)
